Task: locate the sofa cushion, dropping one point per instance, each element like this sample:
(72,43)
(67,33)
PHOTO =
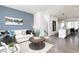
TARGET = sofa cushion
(20,32)
(22,38)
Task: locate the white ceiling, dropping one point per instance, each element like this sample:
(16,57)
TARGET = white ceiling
(60,11)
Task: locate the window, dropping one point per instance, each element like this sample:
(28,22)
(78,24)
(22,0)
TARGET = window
(75,24)
(72,24)
(69,25)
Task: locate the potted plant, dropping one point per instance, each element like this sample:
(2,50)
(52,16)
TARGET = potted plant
(36,32)
(11,46)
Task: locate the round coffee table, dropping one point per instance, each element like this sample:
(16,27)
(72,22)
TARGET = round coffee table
(37,43)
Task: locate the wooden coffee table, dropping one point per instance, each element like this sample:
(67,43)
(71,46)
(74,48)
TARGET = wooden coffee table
(37,43)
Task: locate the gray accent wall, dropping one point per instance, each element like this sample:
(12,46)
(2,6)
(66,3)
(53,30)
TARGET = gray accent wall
(28,19)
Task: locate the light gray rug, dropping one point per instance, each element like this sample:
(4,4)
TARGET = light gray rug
(24,48)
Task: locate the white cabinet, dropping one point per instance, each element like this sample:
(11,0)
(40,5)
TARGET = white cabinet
(62,33)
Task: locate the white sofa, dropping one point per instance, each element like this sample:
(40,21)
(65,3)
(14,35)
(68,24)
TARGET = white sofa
(21,36)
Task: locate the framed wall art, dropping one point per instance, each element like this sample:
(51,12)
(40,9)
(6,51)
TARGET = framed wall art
(13,21)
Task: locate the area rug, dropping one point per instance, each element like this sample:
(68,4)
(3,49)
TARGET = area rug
(24,48)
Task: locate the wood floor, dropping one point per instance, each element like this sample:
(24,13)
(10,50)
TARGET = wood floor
(67,45)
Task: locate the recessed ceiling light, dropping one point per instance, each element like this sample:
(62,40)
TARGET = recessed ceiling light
(75,8)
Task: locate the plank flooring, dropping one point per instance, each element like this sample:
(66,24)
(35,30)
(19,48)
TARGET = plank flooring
(67,45)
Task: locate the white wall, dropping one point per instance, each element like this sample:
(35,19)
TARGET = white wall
(41,20)
(37,20)
(44,21)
